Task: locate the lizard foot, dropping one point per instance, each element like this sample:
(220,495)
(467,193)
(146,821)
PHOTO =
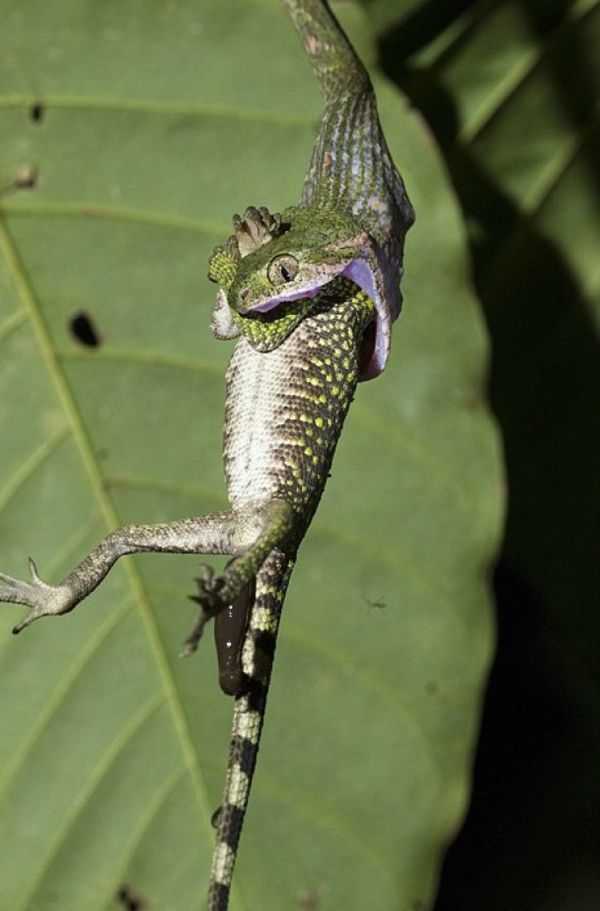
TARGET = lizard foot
(211,602)
(43,600)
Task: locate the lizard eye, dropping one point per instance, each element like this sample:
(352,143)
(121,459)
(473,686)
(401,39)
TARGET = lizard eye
(282,269)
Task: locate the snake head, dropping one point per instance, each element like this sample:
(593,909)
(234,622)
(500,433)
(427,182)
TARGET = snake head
(310,248)
(254,229)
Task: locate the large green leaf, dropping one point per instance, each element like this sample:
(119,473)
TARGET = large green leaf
(511,91)
(149,124)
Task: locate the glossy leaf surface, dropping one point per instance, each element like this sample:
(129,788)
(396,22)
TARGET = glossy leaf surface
(146,128)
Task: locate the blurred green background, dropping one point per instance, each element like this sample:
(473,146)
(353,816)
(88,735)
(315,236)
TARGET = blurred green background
(140,128)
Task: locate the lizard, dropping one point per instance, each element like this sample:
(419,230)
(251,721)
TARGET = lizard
(309,295)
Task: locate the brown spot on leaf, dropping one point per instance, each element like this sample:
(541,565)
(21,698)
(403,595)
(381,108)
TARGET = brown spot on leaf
(309,901)
(37,111)
(26,177)
(129,900)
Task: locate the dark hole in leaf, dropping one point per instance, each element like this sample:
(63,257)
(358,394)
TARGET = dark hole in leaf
(128,900)
(37,111)
(84,331)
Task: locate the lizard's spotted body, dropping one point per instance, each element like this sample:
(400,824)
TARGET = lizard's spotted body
(300,393)
(310,295)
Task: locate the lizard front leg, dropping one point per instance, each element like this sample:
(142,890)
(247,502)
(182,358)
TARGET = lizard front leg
(212,534)
(238,532)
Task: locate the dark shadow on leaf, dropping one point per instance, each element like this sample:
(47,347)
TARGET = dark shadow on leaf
(423,24)
(572,65)
(531,840)
(128,899)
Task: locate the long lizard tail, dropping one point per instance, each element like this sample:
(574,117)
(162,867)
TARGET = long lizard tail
(248,715)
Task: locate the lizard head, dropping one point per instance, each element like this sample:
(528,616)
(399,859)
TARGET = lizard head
(283,263)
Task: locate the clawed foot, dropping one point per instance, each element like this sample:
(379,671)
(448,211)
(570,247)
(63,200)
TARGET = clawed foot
(210,599)
(42,600)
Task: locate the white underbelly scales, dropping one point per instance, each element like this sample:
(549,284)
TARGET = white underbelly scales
(254,413)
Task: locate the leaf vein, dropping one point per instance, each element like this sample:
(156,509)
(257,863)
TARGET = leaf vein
(93,210)
(148,358)
(107,511)
(28,468)
(120,105)
(57,697)
(102,767)
(18,318)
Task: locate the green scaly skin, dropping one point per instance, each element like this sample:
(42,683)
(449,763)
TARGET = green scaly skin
(310,296)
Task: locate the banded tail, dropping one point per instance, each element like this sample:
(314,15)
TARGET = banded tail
(351,167)
(248,715)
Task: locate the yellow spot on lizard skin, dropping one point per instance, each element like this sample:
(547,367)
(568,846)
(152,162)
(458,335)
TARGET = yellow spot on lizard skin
(263,618)
(304,394)
(319,421)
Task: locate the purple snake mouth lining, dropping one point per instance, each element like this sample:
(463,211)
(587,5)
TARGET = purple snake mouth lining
(273,302)
(375,344)
(308,291)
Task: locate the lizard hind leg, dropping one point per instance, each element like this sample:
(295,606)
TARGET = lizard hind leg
(231,626)
(260,528)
